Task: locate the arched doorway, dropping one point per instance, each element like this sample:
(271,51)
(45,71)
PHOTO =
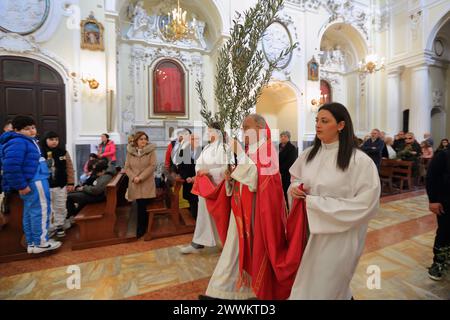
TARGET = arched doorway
(342,46)
(278,104)
(30,87)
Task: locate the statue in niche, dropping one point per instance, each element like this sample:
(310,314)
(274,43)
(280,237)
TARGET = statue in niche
(199,29)
(138,15)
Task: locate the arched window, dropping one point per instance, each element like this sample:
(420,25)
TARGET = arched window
(325,92)
(169,88)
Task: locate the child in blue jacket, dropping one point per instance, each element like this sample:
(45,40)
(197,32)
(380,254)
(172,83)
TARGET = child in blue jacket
(25,171)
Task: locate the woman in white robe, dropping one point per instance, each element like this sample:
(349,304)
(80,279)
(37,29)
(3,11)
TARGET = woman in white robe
(213,161)
(342,190)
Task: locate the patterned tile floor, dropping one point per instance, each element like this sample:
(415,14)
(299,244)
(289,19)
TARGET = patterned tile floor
(399,243)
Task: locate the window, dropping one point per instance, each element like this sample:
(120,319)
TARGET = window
(168,88)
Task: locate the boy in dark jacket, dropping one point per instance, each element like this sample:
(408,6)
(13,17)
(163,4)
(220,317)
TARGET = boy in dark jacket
(25,171)
(61,180)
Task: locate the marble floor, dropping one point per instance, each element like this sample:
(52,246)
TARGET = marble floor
(399,245)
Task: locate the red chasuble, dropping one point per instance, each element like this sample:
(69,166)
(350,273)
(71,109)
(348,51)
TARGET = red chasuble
(271,243)
(270,250)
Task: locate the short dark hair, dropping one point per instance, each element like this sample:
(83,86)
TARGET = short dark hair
(50,135)
(20,122)
(93,155)
(348,142)
(7,123)
(214,125)
(100,166)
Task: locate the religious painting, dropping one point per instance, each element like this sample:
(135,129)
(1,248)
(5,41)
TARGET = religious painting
(169,88)
(313,70)
(92,34)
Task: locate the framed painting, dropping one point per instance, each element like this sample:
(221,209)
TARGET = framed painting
(92,34)
(313,70)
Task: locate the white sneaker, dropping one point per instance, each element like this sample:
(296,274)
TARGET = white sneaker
(30,249)
(189,249)
(51,245)
(67,224)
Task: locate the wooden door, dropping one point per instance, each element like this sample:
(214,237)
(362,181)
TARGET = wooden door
(30,87)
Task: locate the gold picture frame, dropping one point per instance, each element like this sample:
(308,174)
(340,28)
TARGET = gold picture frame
(313,70)
(92,34)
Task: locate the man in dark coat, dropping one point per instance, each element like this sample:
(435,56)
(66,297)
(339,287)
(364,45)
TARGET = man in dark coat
(287,155)
(438,190)
(186,158)
(373,147)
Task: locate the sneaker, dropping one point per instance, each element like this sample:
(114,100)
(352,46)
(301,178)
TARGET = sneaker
(190,249)
(51,245)
(435,271)
(51,233)
(30,249)
(60,233)
(68,223)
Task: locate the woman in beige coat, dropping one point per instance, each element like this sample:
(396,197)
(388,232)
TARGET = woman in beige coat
(140,168)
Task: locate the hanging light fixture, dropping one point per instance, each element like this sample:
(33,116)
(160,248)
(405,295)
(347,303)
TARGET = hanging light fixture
(371,64)
(177,27)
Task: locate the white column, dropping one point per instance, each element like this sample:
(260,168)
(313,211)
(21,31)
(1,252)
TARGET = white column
(394,109)
(419,114)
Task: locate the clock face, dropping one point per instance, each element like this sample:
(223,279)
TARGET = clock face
(276,39)
(439,47)
(23,16)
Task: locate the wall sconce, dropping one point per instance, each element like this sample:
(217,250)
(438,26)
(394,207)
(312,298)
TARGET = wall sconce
(93,84)
(317,102)
(371,64)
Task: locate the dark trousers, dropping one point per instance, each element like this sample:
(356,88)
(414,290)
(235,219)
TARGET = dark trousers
(142,217)
(442,240)
(193,206)
(286,180)
(81,199)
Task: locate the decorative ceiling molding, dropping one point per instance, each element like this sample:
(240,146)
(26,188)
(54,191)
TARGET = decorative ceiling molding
(12,43)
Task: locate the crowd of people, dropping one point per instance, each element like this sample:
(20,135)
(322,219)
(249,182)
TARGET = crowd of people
(403,146)
(334,183)
(40,170)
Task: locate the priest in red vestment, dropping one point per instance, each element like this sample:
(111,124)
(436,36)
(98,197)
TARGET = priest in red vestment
(263,245)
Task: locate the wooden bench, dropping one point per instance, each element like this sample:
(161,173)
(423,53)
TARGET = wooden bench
(13,245)
(402,171)
(97,221)
(11,234)
(165,216)
(386,176)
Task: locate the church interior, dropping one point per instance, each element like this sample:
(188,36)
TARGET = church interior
(90,69)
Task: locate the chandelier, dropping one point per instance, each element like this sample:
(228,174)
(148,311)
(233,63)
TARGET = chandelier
(177,28)
(317,102)
(371,64)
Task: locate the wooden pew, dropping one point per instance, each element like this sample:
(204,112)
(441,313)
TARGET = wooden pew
(165,216)
(402,171)
(97,221)
(12,247)
(386,175)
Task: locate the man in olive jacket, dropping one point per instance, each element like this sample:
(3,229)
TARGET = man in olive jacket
(90,194)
